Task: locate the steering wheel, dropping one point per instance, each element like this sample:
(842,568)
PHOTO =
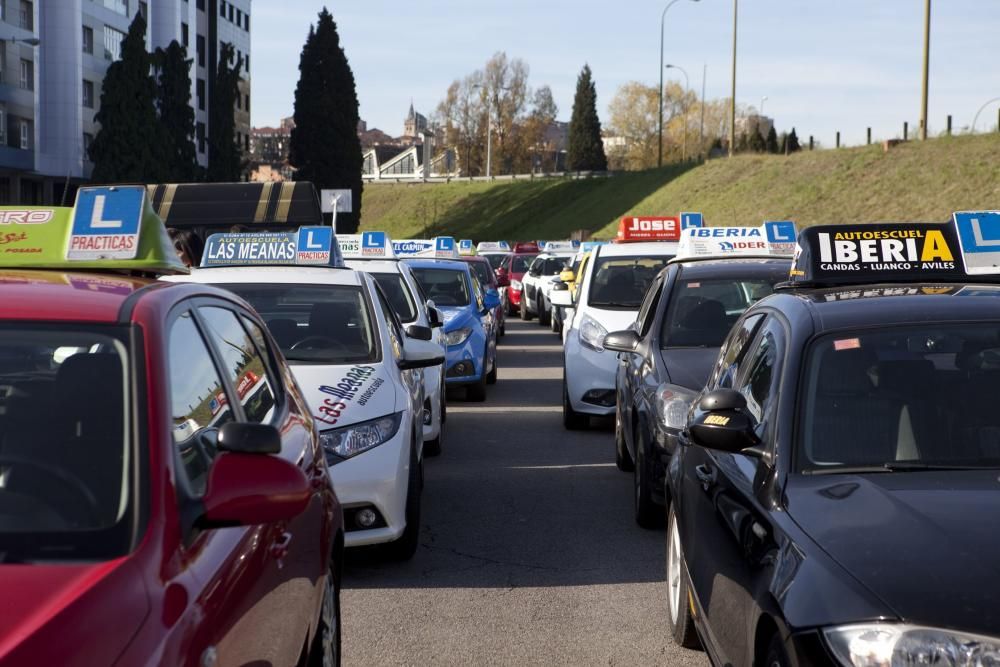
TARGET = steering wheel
(65,477)
(320,341)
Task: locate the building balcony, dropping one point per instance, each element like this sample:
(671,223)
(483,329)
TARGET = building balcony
(15,159)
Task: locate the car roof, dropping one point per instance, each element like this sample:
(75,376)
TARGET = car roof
(478,258)
(272,274)
(66,296)
(373,265)
(651,248)
(453,264)
(858,306)
(735,268)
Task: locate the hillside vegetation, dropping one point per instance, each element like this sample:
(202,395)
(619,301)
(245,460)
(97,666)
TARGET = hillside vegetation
(913,181)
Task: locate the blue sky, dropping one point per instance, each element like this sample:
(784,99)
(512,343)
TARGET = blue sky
(824,66)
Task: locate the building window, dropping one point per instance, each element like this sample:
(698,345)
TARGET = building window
(117,6)
(200,135)
(246,21)
(112,43)
(201,5)
(27,75)
(200,94)
(4,182)
(88,139)
(3,61)
(25,135)
(230,13)
(27,15)
(246,107)
(239,17)
(88,94)
(246,63)
(222,9)
(200,46)
(144,10)
(246,143)
(3,126)
(185,35)
(88,39)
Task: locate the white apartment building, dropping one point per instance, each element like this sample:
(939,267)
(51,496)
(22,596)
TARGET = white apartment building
(53,57)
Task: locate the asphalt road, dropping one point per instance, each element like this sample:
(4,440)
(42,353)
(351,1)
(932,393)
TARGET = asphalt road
(529,553)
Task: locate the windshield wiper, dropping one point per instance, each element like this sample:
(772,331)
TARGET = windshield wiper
(892,466)
(612,304)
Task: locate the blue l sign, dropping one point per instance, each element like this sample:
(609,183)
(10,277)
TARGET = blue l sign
(979,236)
(691,220)
(780,232)
(372,240)
(313,245)
(106,223)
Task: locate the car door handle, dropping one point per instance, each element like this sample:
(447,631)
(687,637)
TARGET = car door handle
(279,548)
(706,475)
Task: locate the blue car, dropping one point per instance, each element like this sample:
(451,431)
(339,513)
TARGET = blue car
(470,326)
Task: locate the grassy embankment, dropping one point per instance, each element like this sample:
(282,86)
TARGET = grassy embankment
(914,181)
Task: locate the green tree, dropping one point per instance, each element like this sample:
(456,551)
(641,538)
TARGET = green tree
(324,145)
(129,145)
(173,99)
(755,142)
(793,142)
(586,150)
(771,143)
(224,154)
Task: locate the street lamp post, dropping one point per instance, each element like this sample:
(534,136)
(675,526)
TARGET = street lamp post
(701,129)
(489,130)
(762,100)
(663,16)
(687,86)
(732,99)
(927,50)
(975,119)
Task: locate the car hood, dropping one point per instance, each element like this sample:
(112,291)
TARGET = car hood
(612,320)
(456,317)
(689,366)
(343,395)
(47,606)
(923,542)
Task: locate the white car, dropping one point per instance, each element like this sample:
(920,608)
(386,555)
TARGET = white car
(613,285)
(359,369)
(542,274)
(404,295)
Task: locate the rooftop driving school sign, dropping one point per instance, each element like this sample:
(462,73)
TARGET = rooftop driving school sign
(979,236)
(106,223)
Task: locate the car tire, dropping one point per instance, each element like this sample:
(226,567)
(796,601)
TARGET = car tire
(622,458)
(525,315)
(444,400)
(572,420)
(776,654)
(544,316)
(325,649)
(511,310)
(556,323)
(433,447)
(476,392)
(491,377)
(406,544)
(678,590)
(647,513)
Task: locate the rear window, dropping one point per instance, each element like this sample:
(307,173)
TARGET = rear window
(495,260)
(482,271)
(325,324)
(701,312)
(445,287)
(520,263)
(398,294)
(66,458)
(620,283)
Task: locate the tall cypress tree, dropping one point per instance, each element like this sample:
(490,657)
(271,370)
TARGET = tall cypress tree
(324,145)
(771,143)
(173,99)
(129,145)
(224,155)
(586,150)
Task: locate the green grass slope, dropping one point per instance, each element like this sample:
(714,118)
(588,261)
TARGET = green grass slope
(914,181)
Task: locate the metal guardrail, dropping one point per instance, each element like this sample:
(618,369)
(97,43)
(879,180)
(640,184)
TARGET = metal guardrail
(569,175)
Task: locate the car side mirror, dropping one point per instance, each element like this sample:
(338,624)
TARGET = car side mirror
(567,276)
(503,277)
(721,422)
(622,341)
(249,438)
(419,332)
(560,295)
(434,317)
(491,299)
(420,354)
(249,489)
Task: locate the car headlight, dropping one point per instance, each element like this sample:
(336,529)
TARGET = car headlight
(458,336)
(516,285)
(887,644)
(672,405)
(343,443)
(592,333)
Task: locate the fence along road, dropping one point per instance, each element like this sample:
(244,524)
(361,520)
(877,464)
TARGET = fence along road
(529,553)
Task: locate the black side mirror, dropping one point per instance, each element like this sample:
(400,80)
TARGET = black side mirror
(621,341)
(247,438)
(722,422)
(434,318)
(419,332)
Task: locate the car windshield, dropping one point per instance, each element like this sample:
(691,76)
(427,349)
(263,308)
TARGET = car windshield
(519,263)
(399,296)
(925,396)
(483,272)
(701,312)
(620,283)
(495,260)
(552,266)
(445,287)
(66,458)
(323,324)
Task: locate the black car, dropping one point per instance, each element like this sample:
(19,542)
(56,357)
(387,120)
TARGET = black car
(833,495)
(666,357)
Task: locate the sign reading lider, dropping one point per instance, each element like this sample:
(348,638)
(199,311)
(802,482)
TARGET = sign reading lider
(106,223)
(770,239)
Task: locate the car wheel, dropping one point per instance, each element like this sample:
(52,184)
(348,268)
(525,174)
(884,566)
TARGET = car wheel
(647,513)
(572,420)
(556,323)
(477,392)
(525,315)
(511,310)
(678,591)
(776,655)
(433,447)
(622,458)
(325,650)
(491,377)
(544,316)
(444,401)
(406,545)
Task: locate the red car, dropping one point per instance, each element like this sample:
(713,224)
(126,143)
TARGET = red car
(164,498)
(483,270)
(513,269)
